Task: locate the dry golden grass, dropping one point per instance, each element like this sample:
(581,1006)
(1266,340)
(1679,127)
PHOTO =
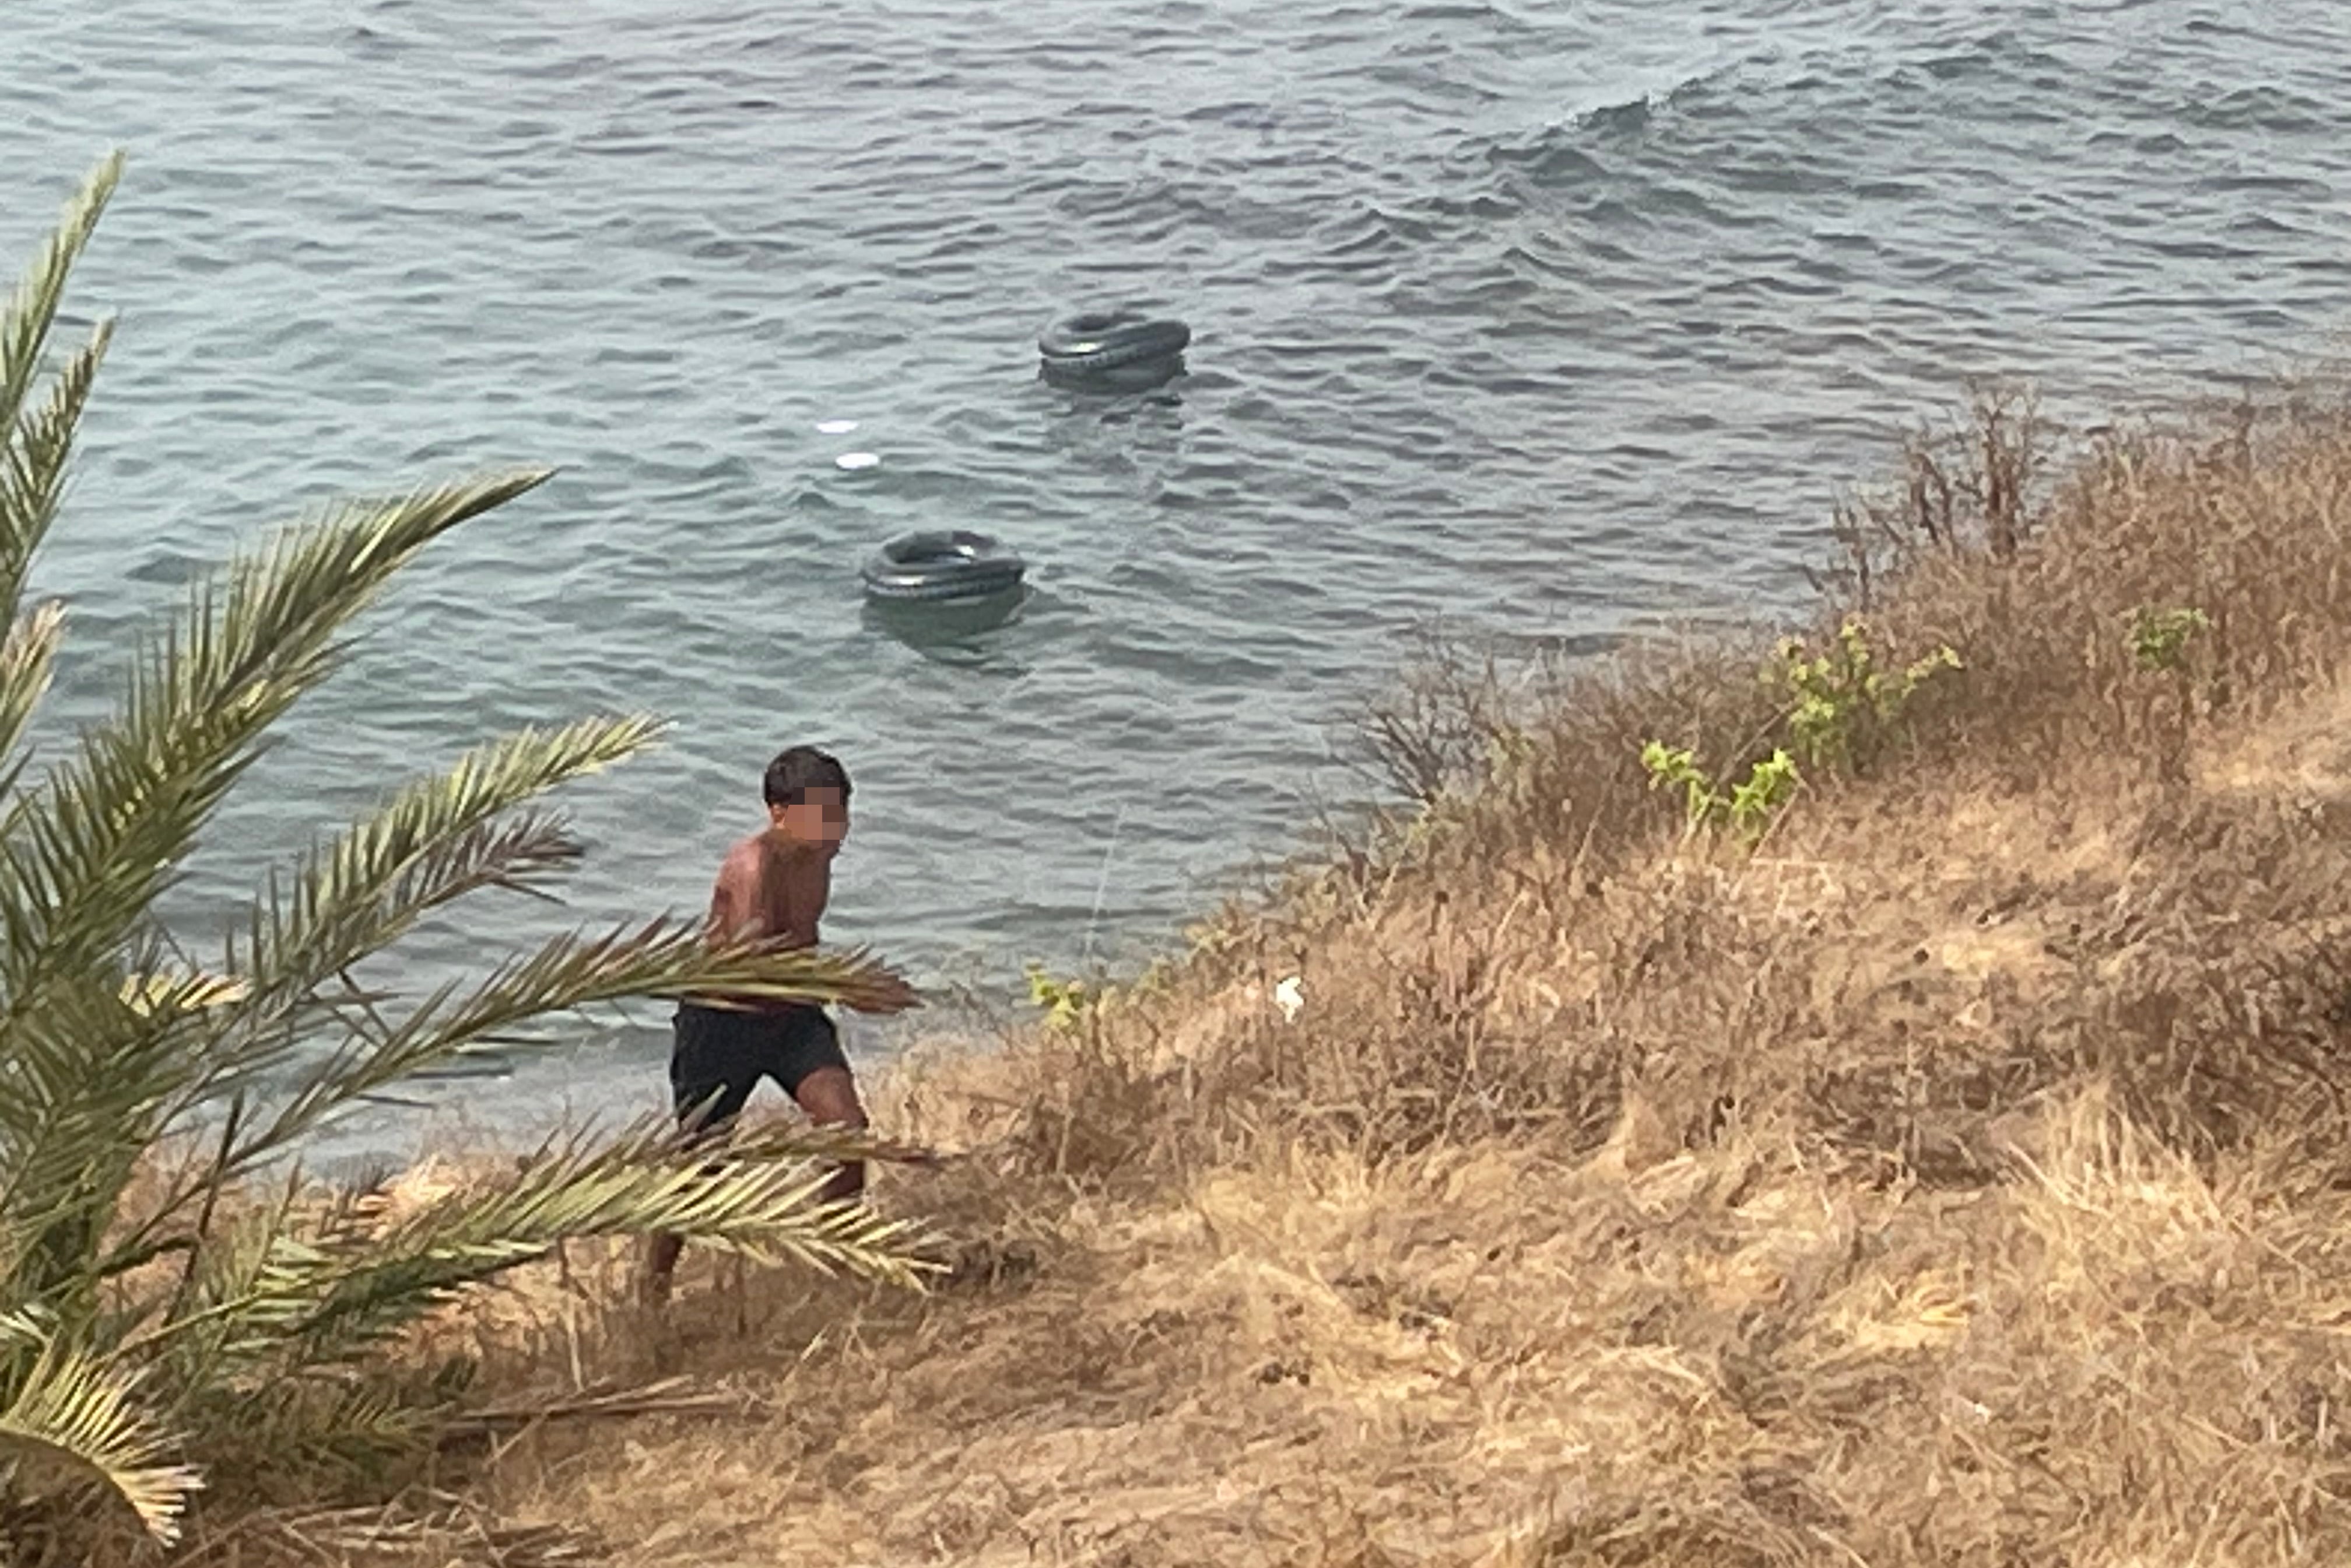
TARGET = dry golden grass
(1964,1177)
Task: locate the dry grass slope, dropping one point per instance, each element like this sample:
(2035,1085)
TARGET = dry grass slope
(1961,1178)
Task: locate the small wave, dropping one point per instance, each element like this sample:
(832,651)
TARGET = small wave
(1617,119)
(1459,11)
(2270,109)
(1241,116)
(2299,186)
(1548,158)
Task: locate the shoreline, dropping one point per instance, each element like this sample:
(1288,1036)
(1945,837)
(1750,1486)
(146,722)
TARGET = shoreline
(1941,1170)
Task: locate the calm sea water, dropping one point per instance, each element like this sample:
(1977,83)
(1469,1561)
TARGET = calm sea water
(1538,317)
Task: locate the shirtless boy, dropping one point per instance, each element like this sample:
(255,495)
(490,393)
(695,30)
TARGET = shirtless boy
(773,884)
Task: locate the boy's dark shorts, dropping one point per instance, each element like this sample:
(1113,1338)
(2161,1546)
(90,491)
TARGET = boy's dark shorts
(725,1053)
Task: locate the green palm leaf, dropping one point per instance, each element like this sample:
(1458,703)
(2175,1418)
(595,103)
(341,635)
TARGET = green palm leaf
(659,958)
(278,1303)
(32,455)
(78,1414)
(82,862)
(354,1422)
(79,1104)
(232,1314)
(85,858)
(435,841)
(261,1027)
(27,660)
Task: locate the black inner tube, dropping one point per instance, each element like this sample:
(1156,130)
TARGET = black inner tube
(1108,339)
(939,565)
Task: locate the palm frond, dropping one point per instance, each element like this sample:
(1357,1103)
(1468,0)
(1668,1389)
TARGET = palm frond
(351,1423)
(661,958)
(276,1021)
(77,1412)
(193,1334)
(264,1029)
(80,1102)
(84,859)
(27,660)
(79,1035)
(34,451)
(326,1298)
(435,841)
(32,307)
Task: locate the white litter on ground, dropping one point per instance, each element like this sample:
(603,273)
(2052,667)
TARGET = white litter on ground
(1290,995)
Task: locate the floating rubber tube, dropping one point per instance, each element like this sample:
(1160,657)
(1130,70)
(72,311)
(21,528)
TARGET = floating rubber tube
(1110,341)
(940,566)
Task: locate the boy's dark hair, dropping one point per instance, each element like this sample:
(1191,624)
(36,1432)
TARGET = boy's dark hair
(800,768)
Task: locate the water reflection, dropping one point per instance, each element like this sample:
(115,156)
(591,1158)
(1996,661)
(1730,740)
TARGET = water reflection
(1120,381)
(968,634)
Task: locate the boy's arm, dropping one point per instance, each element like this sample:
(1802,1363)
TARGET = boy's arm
(823,895)
(800,888)
(730,901)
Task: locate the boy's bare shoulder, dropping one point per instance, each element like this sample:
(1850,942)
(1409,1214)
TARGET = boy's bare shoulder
(749,853)
(745,868)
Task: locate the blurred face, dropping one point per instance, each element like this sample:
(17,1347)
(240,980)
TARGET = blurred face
(817,821)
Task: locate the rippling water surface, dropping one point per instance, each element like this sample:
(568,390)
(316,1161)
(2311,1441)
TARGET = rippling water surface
(1540,317)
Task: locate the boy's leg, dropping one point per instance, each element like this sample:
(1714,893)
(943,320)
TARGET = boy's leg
(815,1072)
(829,1095)
(708,1088)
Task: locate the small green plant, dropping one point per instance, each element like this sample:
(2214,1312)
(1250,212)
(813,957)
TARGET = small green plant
(1066,1002)
(2159,638)
(1770,784)
(1842,699)
(1750,804)
(1676,766)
